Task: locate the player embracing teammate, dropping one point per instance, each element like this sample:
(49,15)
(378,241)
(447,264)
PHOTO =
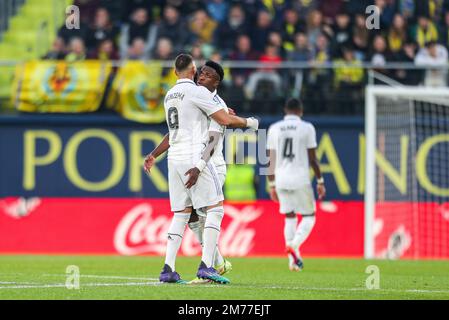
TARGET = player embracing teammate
(194,182)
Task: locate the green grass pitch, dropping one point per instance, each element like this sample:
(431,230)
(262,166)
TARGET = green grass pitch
(115,277)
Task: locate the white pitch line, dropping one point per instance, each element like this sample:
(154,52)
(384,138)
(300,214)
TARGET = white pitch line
(60,285)
(15,282)
(103,277)
(155,281)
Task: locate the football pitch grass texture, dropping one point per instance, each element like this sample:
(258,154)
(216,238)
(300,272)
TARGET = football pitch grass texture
(115,277)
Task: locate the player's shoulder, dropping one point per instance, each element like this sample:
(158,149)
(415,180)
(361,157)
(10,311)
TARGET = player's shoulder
(201,91)
(276,125)
(308,124)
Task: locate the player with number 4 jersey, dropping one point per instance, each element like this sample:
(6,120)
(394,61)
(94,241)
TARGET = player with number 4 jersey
(291,145)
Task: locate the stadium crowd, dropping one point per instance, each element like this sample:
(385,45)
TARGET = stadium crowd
(308,31)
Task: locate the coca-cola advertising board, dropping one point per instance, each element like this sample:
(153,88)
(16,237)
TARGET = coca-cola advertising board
(139,226)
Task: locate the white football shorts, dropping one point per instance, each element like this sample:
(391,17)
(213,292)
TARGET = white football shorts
(301,200)
(221,170)
(206,192)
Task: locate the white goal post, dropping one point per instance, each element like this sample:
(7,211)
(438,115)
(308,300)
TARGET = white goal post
(406,172)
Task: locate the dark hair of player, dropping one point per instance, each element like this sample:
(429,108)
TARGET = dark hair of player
(293,104)
(216,67)
(182,61)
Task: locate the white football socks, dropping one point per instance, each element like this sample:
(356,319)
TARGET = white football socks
(211,233)
(175,233)
(289,229)
(303,230)
(289,233)
(197,228)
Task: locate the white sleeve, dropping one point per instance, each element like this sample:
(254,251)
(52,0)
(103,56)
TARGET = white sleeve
(271,139)
(311,138)
(205,102)
(215,126)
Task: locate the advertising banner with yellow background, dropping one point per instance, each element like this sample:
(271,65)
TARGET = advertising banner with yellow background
(138,91)
(59,86)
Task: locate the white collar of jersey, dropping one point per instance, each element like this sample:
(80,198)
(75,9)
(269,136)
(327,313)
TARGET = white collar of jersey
(292,117)
(215,92)
(185,80)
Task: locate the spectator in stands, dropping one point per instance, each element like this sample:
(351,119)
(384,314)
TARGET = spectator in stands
(348,81)
(314,26)
(197,53)
(276,9)
(425,31)
(68,34)
(341,33)
(218,9)
(268,74)
(360,37)
(57,51)
(87,8)
(407,55)
(305,8)
(318,79)
(137,50)
(380,55)
(397,35)
(406,8)
(77,50)
(187,8)
(202,26)
(444,30)
(329,10)
(164,50)
(105,51)
(174,28)
(230,29)
(243,52)
(260,32)
(301,53)
(289,27)
(275,39)
(153,8)
(138,27)
(387,10)
(101,29)
(435,55)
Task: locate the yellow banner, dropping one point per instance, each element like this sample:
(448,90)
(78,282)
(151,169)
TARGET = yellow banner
(58,86)
(138,91)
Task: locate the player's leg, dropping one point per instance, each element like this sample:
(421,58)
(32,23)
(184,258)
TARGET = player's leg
(181,205)
(291,221)
(196,224)
(174,239)
(306,206)
(287,208)
(207,193)
(220,263)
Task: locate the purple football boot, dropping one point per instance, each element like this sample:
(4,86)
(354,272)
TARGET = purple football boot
(210,273)
(169,276)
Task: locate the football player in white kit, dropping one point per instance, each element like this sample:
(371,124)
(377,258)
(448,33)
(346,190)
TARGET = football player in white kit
(291,145)
(210,76)
(188,108)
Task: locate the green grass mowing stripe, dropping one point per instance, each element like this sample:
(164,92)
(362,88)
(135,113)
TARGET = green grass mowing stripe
(252,278)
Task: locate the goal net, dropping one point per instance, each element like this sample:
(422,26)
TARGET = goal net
(407,172)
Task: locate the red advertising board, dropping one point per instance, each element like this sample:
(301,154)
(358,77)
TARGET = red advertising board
(139,226)
(411,230)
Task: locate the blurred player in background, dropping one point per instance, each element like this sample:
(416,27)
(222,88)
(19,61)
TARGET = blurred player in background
(193,182)
(209,76)
(291,147)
